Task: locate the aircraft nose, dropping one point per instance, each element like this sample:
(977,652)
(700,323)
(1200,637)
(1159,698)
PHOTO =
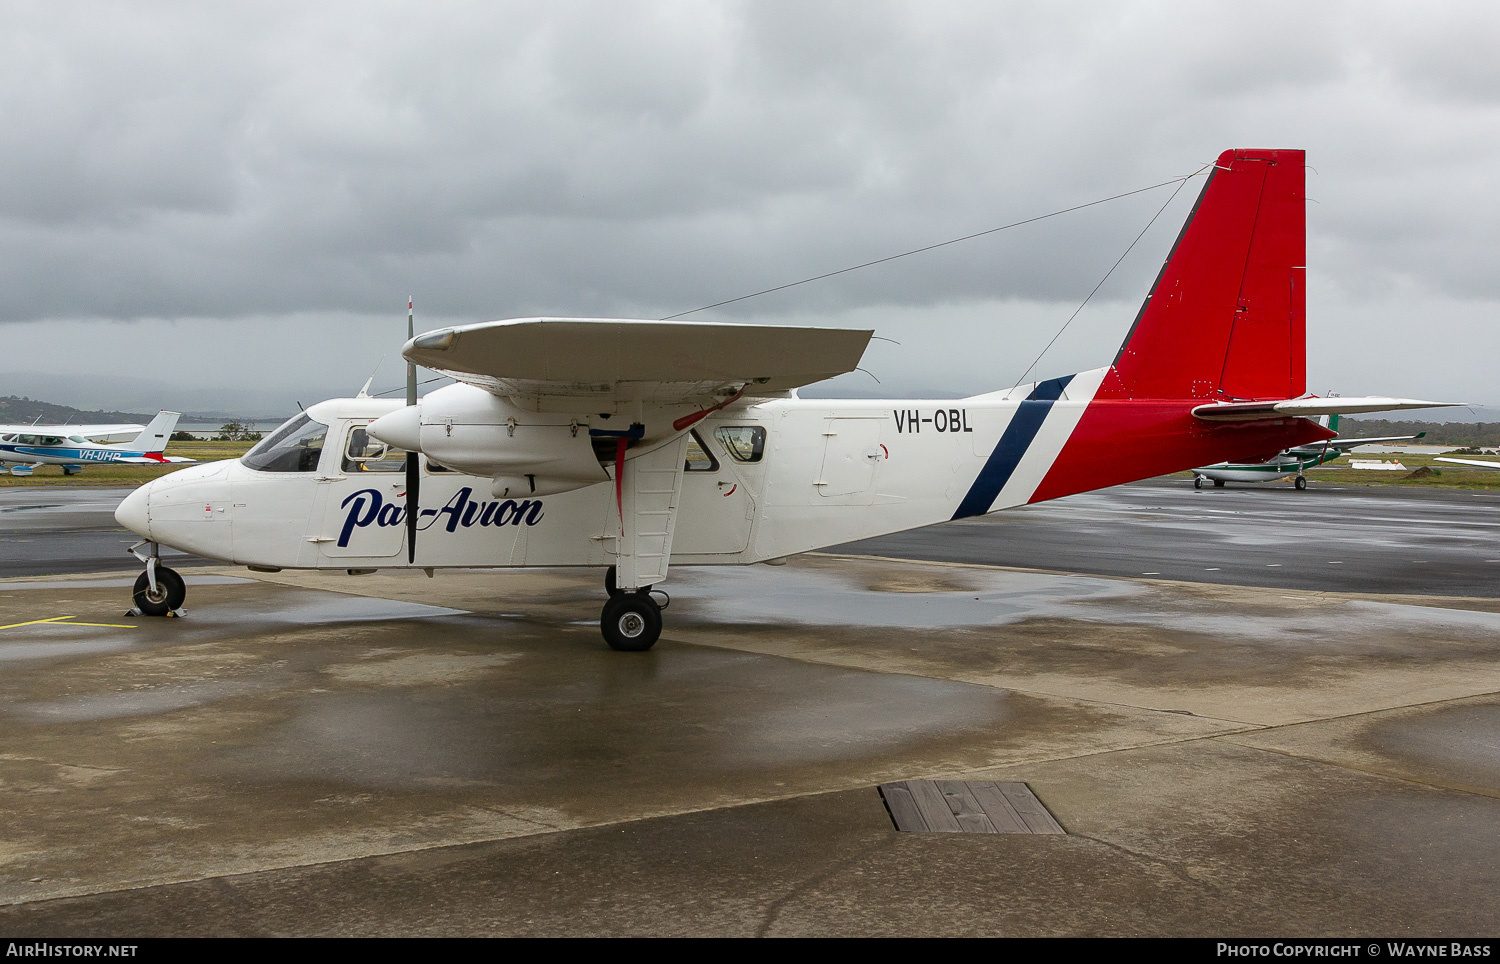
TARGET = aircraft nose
(401,429)
(133,514)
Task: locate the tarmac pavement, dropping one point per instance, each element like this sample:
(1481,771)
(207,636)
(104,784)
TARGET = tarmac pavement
(319,754)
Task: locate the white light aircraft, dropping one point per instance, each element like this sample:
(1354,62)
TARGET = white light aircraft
(1294,462)
(634,446)
(29,447)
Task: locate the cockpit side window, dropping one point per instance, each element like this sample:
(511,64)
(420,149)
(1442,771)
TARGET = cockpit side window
(699,458)
(365,454)
(295,447)
(744,443)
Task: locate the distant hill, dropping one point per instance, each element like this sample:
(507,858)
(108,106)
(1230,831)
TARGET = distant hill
(16,410)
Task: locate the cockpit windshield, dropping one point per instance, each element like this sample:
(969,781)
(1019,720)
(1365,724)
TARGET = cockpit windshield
(295,447)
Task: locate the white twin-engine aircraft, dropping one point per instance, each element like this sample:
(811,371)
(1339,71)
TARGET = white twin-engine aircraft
(637,445)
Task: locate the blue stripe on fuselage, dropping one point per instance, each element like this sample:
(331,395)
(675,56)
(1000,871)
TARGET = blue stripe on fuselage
(1014,442)
(74,455)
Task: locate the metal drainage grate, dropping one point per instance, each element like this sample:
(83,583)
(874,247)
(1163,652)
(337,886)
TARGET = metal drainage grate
(954,806)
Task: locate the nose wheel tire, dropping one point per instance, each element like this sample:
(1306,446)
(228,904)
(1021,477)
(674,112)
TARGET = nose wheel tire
(1198,482)
(631,622)
(169,595)
(1301,483)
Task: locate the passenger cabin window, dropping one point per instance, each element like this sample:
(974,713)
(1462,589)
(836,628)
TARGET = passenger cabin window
(295,447)
(699,458)
(744,443)
(365,454)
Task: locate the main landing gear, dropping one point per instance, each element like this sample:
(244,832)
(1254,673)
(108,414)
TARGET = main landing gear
(159,591)
(631,621)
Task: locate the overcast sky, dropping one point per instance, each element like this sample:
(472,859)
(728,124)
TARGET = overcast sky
(230,203)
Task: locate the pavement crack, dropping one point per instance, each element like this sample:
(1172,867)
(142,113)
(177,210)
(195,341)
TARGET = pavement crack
(773,911)
(1166,865)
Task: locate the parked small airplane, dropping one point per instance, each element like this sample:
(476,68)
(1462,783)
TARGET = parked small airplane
(1290,462)
(28,447)
(636,445)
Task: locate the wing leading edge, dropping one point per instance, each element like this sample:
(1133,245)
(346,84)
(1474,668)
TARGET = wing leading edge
(566,362)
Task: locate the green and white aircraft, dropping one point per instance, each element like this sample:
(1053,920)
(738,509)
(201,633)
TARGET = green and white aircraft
(1289,462)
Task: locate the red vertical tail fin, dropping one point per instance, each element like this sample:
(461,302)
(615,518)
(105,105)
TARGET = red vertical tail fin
(1227,317)
(1225,321)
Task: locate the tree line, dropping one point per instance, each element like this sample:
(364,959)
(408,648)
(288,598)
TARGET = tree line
(1475,434)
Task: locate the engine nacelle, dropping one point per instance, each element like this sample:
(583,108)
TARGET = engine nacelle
(472,431)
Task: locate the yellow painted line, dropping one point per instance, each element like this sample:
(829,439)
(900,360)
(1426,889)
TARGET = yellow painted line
(59,620)
(35,622)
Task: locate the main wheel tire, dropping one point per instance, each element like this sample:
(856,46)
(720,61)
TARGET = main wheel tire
(169,595)
(1198,482)
(1218,483)
(1301,483)
(631,622)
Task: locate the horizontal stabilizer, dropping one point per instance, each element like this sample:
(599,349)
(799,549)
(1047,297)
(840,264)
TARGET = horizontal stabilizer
(1294,407)
(151,460)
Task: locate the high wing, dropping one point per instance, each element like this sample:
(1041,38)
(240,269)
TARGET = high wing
(591,364)
(1344,444)
(103,432)
(1485,465)
(1253,411)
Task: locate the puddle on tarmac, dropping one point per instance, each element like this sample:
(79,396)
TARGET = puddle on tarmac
(106,706)
(304,607)
(812,597)
(59,648)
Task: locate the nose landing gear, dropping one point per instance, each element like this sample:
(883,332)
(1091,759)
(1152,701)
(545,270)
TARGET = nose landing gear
(159,591)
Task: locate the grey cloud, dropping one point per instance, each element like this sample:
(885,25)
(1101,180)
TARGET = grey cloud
(262,161)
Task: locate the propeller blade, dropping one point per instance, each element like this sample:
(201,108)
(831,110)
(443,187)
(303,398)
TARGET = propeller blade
(413,480)
(413,470)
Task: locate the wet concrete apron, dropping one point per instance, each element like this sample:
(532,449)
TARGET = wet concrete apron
(392,754)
